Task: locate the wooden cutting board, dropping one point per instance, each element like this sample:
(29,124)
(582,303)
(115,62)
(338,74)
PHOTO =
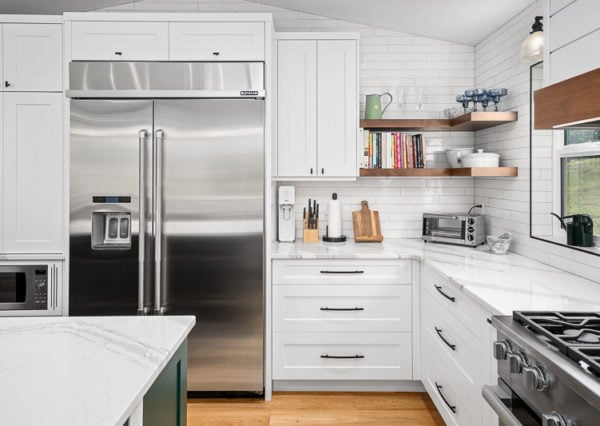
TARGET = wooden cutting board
(366,225)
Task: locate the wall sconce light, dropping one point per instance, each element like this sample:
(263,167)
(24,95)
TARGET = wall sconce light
(532,48)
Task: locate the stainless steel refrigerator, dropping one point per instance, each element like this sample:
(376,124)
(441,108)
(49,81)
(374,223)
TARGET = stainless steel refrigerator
(166,214)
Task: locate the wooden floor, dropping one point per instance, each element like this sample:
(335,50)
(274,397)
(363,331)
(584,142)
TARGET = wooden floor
(313,408)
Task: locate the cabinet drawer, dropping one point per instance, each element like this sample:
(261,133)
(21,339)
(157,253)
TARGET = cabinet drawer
(449,296)
(342,308)
(447,388)
(342,356)
(341,272)
(120,41)
(450,337)
(217,41)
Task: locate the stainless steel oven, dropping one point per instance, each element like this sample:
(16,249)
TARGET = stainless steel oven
(24,288)
(548,369)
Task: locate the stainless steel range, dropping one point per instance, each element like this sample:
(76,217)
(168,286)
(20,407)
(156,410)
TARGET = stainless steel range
(548,368)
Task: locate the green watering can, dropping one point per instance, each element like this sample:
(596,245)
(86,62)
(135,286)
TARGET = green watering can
(373,109)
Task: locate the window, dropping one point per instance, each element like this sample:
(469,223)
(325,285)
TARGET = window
(579,158)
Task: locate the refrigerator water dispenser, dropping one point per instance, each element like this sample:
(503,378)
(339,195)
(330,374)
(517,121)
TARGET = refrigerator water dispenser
(111,230)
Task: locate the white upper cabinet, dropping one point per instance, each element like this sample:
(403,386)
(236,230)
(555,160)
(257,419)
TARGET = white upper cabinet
(296,108)
(336,107)
(32,57)
(119,41)
(317,106)
(32,173)
(217,41)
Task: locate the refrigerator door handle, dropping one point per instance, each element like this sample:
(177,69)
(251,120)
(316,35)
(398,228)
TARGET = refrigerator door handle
(159,136)
(143,137)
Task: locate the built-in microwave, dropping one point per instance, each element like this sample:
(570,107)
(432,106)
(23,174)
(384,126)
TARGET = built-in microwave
(27,288)
(465,230)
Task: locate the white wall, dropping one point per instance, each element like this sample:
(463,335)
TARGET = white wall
(507,199)
(391,60)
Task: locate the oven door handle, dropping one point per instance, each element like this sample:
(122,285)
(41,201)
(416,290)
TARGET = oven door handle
(491,395)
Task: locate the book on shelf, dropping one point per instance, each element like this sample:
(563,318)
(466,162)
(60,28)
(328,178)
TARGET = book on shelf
(393,150)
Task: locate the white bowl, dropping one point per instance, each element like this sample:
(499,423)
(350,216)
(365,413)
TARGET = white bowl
(455,155)
(481,159)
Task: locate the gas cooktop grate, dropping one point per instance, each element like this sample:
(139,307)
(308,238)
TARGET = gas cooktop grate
(575,334)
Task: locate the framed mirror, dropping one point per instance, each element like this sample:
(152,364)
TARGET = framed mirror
(564,181)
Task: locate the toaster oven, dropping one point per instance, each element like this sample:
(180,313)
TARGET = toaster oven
(461,229)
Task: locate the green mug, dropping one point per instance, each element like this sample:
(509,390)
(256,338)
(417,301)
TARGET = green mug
(373,109)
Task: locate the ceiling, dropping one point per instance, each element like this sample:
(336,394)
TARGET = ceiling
(55,7)
(459,21)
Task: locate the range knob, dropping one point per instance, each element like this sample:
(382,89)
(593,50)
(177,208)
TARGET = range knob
(501,349)
(470,221)
(470,237)
(516,362)
(553,419)
(470,229)
(534,378)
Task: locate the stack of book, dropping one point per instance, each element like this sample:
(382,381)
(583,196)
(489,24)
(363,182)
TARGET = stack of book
(393,150)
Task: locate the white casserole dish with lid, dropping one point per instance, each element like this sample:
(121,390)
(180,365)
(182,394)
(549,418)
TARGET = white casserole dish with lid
(481,159)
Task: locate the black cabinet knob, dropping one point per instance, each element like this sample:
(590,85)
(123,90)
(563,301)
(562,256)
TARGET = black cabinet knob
(6,84)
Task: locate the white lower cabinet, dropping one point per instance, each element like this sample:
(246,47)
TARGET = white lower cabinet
(342,356)
(451,393)
(456,351)
(342,320)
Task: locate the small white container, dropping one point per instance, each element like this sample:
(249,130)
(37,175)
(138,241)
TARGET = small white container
(481,159)
(454,156)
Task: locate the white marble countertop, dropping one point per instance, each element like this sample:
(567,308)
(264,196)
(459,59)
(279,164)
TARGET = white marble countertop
(500,283)
(82,370)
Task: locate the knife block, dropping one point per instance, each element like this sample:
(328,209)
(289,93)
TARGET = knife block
(311,235)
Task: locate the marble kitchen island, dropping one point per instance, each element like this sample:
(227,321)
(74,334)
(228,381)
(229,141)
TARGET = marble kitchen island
(93,370)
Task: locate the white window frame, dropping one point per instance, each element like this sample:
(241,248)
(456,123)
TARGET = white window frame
(560,151)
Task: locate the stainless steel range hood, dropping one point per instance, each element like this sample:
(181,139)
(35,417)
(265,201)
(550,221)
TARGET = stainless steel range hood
(572,103)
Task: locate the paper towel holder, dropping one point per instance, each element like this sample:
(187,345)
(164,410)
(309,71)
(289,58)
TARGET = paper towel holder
(329,239)
(326,237)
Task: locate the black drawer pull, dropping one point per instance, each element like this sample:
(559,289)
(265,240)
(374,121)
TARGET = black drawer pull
(439,333)
(343,356)
(119,53)
(439,289)
(439,389)
(342,272)
(342,309)
(216,53)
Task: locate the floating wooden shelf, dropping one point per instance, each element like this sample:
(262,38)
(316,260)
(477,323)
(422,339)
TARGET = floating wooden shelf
(466,122)
(463,171)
